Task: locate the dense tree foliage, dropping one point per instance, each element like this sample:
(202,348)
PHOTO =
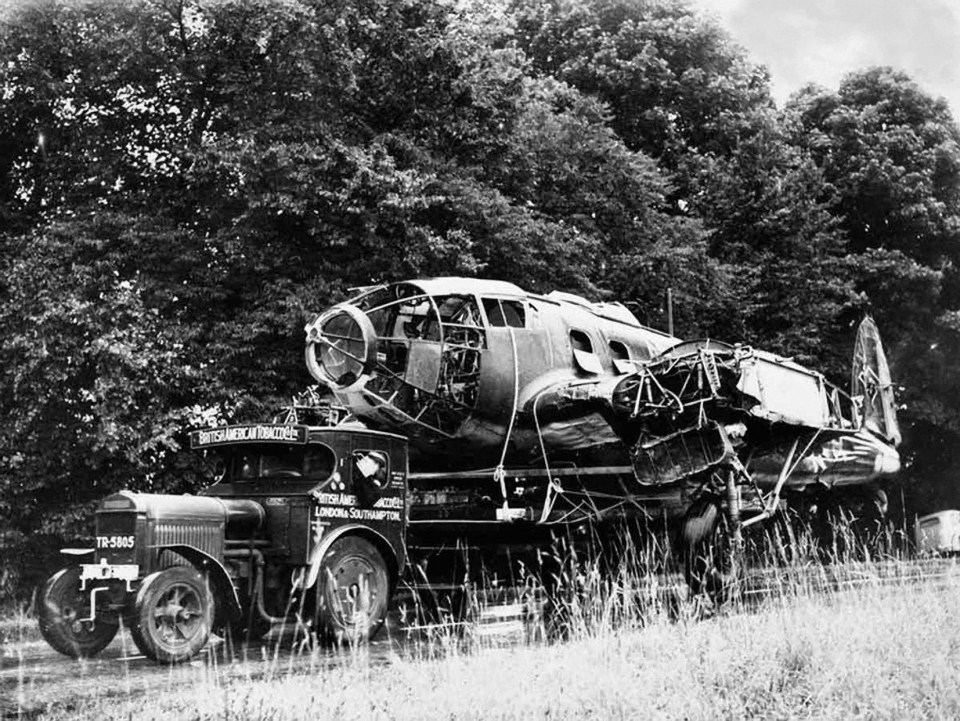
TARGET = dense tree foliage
(890,156)
(182,184)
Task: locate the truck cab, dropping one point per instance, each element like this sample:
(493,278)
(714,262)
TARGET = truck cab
(302,524)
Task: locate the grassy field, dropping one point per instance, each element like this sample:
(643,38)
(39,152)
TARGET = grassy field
(878,652)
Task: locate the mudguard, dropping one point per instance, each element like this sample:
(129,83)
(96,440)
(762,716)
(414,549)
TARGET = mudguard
(228,603)
(358,529)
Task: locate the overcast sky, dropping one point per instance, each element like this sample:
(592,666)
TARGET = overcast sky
(819,41)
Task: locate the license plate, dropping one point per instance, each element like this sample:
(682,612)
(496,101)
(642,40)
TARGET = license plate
(115,542)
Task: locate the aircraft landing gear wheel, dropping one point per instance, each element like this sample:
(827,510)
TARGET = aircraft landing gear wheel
(353,591)
(173,614)
(62,606)
(711,566)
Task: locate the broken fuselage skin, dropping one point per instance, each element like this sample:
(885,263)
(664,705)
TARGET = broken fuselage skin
(706,404)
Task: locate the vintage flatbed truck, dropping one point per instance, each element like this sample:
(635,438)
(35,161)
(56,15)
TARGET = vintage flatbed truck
(308,525)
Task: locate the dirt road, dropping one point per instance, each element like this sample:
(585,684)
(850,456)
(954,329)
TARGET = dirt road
(34,677)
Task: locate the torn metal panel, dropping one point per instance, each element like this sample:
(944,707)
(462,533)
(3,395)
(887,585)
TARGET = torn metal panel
(681,455)
(785,392)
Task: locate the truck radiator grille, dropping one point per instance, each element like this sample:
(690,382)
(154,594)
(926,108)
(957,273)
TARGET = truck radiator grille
(203,536)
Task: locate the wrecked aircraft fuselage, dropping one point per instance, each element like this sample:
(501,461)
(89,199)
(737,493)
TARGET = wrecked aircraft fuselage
(477,373)
(459,366)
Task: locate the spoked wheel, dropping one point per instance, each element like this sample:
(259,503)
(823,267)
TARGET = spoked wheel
(353,591)
(173,614)
(711,564)
(63,609)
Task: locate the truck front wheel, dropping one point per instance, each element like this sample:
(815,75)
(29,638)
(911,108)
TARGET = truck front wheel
(353,591)
(173,614)
(63,613)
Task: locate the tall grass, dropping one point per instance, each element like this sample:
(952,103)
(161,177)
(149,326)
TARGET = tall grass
(882,647)
(877,652)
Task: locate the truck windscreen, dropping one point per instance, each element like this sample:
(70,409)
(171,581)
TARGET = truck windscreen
(314,462)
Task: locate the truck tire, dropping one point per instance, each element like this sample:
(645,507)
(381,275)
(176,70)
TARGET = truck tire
(353,591)
(173,614)
(708,564)
(61,608)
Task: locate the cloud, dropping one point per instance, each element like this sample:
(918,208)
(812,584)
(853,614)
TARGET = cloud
(822,40)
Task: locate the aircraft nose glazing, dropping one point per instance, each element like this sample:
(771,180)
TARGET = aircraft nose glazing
(340,344)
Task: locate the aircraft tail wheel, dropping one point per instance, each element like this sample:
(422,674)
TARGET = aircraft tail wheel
(876,507)
(881,502)
(711,565)
(173,614)
(353,591)
(63,609)
(875,537)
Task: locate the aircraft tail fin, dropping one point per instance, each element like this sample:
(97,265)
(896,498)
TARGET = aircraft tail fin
(870,382)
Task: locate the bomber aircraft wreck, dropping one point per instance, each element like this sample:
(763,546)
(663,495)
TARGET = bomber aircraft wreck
(483,423)
(577,411)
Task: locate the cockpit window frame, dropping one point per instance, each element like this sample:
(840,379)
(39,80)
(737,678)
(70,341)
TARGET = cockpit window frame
(584,355)
(519,312)
(620,356)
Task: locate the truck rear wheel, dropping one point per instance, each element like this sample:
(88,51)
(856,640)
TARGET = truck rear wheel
(62,608)
(353,591)
(173,614)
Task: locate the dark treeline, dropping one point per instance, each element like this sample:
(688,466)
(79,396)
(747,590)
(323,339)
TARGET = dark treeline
(183,183)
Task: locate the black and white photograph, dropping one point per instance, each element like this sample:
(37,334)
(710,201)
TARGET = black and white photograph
(479,359)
